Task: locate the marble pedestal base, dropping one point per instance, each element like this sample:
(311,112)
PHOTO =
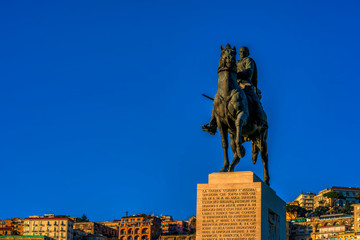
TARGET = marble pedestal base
(239,206)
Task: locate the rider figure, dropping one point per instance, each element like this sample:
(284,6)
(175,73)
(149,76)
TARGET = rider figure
(247,79)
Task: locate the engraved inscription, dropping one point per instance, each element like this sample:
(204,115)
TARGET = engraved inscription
(228,214)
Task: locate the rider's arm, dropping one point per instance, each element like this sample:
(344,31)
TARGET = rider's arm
(249,69)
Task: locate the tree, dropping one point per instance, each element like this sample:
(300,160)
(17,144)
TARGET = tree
(84,218)
(292,209)
(334,196)
(320,211)
(348,209)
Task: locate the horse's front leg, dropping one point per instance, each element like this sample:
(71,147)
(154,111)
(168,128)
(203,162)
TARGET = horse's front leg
(240,120)
(224,141)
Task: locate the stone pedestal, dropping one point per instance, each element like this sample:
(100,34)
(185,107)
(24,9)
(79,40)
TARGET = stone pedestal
(239,206)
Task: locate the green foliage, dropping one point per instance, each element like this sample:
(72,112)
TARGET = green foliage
(334,195)
(348,209)
(301,212)
(84,218)
(320,211)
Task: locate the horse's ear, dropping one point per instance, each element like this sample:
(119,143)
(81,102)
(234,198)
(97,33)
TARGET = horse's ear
(222,47)
(234,48)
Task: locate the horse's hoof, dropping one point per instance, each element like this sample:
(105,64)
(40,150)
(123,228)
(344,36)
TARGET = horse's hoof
(232,168)
(241,151)
(225,169)
(267,181)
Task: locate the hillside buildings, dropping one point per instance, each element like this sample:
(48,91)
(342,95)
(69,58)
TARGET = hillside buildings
(12,226)
(112,224)
(342,224)
(357,218)
(22,237)
(55,227)
(174,227)
(92,228)
(140,227)
(349,193)
(306,201)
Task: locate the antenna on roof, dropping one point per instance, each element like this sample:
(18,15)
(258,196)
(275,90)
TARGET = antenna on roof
(127,213)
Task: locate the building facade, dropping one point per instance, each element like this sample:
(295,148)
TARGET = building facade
(306,201)
(323,227)
(112,224)
(140,227)
(349,193)
(13,226)
(166,218)
(92,228)
(6,227)
(357,218)
(174,227)
(21,237)
(55,227)
(348,236)
(178,237)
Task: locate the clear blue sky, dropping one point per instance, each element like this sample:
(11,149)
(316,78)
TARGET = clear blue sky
(101,106)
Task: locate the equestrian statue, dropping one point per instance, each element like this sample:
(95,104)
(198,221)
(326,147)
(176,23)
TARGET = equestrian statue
(237,110)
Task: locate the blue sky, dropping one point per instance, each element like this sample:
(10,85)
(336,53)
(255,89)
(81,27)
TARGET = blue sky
(102,109)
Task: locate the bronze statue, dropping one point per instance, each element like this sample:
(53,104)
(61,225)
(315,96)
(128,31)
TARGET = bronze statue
(237,110)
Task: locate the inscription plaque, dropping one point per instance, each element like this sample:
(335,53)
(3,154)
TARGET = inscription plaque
(228,214)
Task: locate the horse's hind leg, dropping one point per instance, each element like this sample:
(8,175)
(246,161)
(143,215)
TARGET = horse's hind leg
(225,144)
(264,156)
(255,151)
(236,158)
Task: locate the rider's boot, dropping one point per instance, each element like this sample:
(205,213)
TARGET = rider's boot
(210,127)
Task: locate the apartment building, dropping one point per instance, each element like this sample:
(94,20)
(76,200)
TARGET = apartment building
(21,237)
(13,226)
(174,227)
(50,225)
(306,201)
(349,193)
(140,227)
(6,228)
(92,228)
(357,218)
(112,224)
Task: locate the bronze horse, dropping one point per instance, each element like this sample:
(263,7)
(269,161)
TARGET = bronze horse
(233,116)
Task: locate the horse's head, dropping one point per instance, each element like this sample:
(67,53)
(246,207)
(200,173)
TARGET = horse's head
(227,59)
